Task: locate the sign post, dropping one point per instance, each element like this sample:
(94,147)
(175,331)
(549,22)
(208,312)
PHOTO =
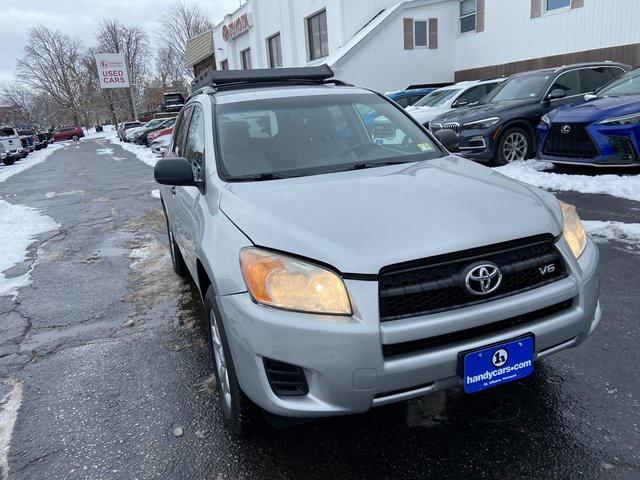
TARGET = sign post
(113,73)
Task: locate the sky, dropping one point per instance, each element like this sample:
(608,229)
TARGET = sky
(80,18)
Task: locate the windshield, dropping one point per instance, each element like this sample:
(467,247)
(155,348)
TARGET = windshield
(628,84)
(521,87)
(6,132)
(311,135)
(155,123)
(437,98)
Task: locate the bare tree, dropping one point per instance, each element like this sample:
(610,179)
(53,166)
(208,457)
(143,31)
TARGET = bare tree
(169,67)
(21,99)
(115,37)
(52,65)
(184,20)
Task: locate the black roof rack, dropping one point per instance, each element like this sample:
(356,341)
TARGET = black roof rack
(227,79)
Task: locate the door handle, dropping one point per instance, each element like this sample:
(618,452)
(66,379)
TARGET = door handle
(173,190)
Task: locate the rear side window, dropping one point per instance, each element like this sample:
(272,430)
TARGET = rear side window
(594,78)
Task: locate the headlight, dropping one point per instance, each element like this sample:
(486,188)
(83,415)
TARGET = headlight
(546,120)
(573,229)
(285,282)
(484,123)
(626,120)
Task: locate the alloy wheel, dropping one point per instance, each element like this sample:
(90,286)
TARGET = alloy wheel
(515,147)
(221,363)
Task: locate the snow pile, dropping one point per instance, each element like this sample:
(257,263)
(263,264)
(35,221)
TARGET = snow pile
(20,226)
(535,173)
(155,193)
(603,232)
(34,158)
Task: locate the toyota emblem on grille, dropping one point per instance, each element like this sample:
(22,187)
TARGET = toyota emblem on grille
(566,129)
(483,279)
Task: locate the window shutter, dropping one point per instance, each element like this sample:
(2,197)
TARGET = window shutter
(433,33)
(577,3)
(408,33)
(536,8)
(480,16)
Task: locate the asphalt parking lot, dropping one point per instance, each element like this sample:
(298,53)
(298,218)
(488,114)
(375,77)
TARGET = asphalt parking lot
(107,374)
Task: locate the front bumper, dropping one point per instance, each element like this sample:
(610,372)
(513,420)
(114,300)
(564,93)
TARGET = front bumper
(477,145)
(342,357)
(616,146)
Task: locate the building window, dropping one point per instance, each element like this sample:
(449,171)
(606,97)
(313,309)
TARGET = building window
(224,65)
(318,38)
(420,34)
(467,16)
(245,58)
(557,4)
(274,51)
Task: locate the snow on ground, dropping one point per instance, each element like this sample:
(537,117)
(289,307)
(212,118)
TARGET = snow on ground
(104,151)
(537,174)
(144,154)
(20,226)
(9,407)
(155,193)
(602,232)
(90,133)
(34,158)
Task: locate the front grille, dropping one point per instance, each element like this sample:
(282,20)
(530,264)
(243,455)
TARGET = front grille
(285,380)
(437,284)
(439,341)
(569,140)
(455,126)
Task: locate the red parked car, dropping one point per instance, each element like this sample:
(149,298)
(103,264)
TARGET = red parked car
(158,133)
(68,133)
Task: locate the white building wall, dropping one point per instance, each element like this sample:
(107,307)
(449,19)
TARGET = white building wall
(382,64)
(512,35)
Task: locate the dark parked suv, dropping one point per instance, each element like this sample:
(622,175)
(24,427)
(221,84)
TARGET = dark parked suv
(502,128)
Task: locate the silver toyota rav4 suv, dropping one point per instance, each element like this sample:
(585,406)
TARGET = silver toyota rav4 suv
(347,260)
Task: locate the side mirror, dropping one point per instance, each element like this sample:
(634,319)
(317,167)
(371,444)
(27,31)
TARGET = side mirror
(448,138)
(175,172)
(556,93)
(461,103)
(590,96)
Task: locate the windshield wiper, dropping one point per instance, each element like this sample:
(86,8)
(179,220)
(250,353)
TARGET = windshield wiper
(363,165)
(261,178)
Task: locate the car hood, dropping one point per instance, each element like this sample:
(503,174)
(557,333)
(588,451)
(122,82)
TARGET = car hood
(597,110)
(479,112)
(426,114)
(361,221)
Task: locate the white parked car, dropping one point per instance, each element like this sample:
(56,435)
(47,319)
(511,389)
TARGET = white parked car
(443,100)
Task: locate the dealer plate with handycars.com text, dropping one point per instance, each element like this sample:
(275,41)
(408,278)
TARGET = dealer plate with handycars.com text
(498,364)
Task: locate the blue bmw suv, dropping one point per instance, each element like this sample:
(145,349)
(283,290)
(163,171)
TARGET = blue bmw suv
(604,131)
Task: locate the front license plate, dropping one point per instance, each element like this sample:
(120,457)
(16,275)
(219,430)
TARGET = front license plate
(492,366)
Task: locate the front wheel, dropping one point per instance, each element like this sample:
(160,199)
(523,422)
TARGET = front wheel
(514,145)
(75,138)
(238,410)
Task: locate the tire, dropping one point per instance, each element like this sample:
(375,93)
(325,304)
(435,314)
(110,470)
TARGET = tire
(515,144)
(177,260)
(238,410)
(9,161)
(75,138)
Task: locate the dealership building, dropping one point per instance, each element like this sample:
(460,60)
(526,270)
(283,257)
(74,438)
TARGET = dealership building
(388,45)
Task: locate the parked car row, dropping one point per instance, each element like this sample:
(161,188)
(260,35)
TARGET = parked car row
(585,113)
(155,134)
(16,144)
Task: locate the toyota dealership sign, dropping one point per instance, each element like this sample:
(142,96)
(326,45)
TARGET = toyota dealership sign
(112,70)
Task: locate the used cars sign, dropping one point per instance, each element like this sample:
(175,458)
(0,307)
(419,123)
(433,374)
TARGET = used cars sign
(112,70)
